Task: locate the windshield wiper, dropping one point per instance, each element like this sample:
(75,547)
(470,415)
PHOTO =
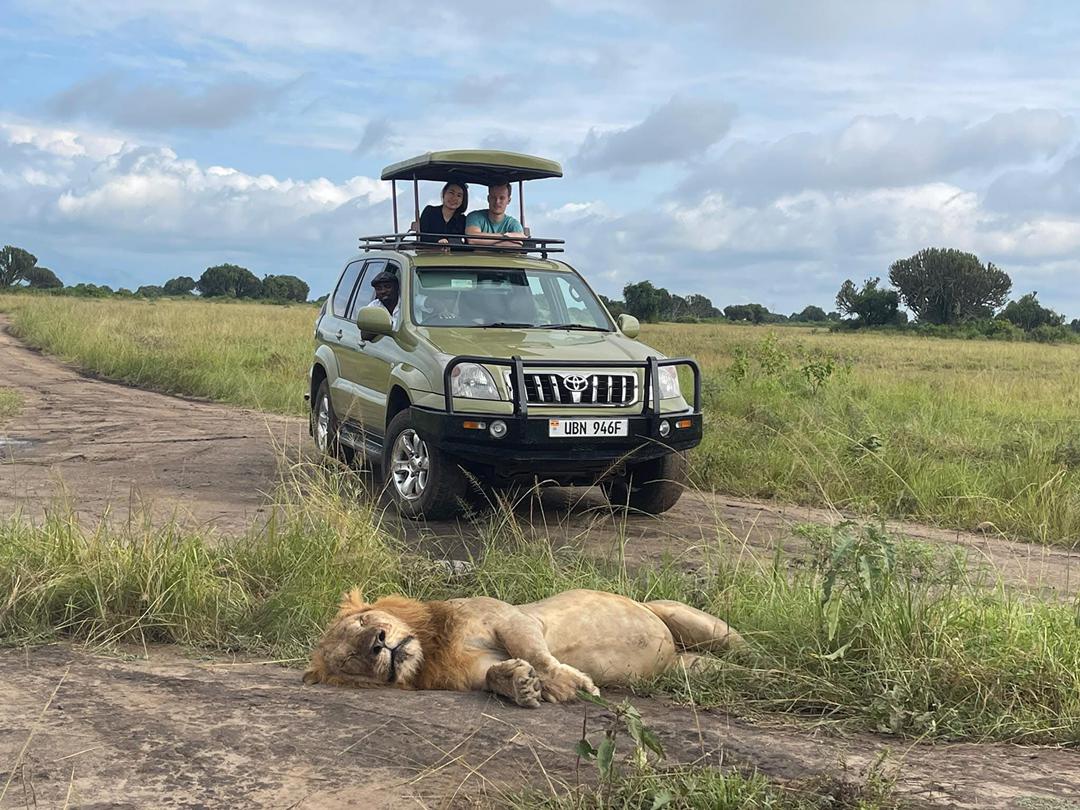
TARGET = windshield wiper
(578,326)
(507,325)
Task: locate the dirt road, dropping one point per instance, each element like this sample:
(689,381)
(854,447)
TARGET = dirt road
(173,731)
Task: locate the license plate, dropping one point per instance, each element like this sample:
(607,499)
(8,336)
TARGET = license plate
(570,428)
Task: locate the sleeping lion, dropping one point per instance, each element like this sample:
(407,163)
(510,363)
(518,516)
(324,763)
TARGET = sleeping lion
(545,650)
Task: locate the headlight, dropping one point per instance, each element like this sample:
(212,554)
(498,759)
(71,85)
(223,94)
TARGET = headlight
(669,382)
(472,381)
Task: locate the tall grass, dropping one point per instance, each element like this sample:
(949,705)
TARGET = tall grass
(954,432)
(875,633)
(252,355)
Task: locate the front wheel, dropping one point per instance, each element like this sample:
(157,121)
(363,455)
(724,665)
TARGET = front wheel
(422,480)
(652,486)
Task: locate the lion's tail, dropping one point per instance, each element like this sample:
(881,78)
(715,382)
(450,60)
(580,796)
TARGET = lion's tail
(695,630)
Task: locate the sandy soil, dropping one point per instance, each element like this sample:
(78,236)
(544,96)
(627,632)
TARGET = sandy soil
(166,730)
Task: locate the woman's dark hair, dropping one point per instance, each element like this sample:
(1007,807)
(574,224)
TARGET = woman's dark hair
(464,208)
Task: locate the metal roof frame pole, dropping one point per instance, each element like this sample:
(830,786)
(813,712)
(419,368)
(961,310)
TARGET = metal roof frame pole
(416,202)
(393,196)
(521,202)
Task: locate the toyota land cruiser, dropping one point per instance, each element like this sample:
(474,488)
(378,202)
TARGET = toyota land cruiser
(501,363)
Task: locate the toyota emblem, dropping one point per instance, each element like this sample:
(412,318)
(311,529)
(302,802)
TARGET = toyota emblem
(575,383)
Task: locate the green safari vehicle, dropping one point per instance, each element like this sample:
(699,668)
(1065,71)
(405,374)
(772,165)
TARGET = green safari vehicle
(500,365)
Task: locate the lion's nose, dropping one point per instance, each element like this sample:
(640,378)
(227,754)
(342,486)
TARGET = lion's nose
(381,637)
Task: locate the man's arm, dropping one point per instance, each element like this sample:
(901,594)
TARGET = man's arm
(475,236)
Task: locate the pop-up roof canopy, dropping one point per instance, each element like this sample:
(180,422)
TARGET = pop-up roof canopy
(480,166)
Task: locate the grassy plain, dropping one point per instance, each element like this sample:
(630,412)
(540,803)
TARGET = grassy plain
(951,432)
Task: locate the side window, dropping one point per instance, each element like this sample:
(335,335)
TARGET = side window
(364,294)
(344,290)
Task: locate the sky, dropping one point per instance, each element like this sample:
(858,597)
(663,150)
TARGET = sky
(758,152)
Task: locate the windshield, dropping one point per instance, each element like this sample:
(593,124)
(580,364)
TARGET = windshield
(505,297)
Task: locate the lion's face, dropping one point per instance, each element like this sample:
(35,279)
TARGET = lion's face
(366,648)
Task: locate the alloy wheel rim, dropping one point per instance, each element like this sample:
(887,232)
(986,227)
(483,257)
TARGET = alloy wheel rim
(322,425)
(409,465)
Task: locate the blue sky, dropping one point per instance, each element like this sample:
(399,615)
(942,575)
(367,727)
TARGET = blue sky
(748,151)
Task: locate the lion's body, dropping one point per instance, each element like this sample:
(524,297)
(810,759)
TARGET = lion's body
(548,649)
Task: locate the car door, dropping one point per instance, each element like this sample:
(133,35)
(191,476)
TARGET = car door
(374,360)
(342,335)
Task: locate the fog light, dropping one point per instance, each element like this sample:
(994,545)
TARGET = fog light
(684,423)
(473,425)
(665,428)
(498,429)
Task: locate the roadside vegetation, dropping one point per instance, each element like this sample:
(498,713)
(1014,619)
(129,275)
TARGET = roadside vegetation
(874,632)
(10,403)
(957,433)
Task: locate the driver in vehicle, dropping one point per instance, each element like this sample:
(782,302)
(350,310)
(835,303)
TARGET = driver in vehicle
(387,294)
(495,220)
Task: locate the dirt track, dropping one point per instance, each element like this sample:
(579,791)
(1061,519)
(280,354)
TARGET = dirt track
(173,731)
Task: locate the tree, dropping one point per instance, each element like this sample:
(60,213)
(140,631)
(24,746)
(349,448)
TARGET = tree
(755,313)
(14,265)
(1028,313)
(284,288)
(229,280)
(949,286)
(616,308)
(150,291)
(871,306)
(41,278)
(181,285)
(698,306)
(646,302)
(812,314)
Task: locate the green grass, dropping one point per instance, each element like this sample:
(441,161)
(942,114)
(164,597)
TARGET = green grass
(10,403)
(952,432)
(702,788)
(876,633)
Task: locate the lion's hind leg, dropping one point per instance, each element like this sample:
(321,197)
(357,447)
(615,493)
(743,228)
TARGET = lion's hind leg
(695,630)
(517,680)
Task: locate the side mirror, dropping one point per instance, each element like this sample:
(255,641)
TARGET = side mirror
(628,325)
(373,320)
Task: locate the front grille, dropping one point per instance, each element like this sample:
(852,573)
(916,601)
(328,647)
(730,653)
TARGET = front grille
(549,388)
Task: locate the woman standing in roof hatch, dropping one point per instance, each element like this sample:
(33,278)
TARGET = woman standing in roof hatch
(448,218)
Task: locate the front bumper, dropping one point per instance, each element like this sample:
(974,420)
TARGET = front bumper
(528,450)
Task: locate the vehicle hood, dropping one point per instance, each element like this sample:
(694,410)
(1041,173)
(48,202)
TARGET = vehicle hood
(532,344)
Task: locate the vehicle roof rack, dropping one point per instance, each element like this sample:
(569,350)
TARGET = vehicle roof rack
(412,241)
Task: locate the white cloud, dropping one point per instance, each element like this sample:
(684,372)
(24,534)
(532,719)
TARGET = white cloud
(58,191)
(871,152)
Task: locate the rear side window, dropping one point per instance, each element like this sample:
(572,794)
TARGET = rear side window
(345,287)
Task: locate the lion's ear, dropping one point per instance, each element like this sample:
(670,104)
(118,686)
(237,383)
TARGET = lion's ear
(311,676)
(352,601)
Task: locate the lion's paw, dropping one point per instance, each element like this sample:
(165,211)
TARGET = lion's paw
(517,680)
(562,684)
(527,689)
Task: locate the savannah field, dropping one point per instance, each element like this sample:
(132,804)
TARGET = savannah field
(870,632)
(956,433)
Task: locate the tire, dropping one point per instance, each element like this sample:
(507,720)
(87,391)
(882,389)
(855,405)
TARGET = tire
(324,428)
(422,480)
(652,486)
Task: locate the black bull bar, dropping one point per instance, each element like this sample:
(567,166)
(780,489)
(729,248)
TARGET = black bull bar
(650,400)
